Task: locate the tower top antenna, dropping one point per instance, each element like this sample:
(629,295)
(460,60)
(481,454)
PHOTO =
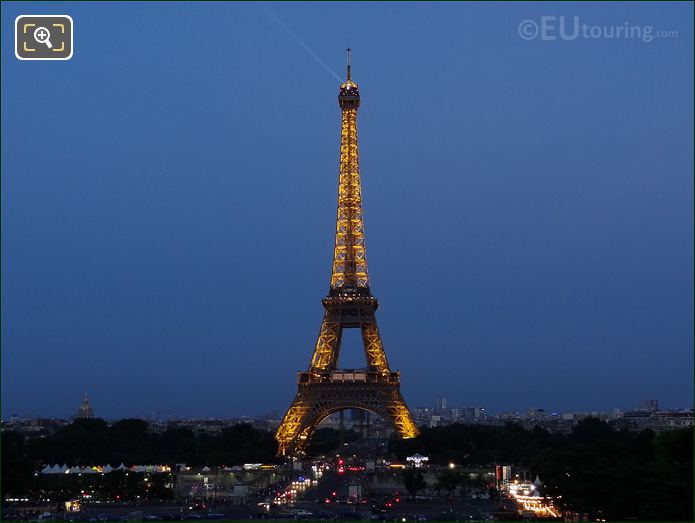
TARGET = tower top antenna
(348,64)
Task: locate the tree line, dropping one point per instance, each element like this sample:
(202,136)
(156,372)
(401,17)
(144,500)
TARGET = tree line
(613,475)
(94,442)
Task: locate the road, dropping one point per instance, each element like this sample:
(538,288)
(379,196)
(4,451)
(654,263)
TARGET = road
(313,501)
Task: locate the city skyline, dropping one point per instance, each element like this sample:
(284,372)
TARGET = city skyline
(276,413)
(528,208)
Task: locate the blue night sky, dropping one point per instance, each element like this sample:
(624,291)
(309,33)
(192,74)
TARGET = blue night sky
(168,205)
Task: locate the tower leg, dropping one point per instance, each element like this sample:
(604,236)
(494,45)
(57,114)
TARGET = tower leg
(289,434)
(373,347)
(327,347)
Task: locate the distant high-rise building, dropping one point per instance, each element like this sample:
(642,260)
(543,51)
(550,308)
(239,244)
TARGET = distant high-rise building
(85,410)
(649,405)
(441,403)
(423,413)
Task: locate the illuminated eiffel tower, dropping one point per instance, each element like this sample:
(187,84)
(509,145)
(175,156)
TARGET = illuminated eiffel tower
(323,388)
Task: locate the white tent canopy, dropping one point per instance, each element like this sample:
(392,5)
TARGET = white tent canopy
(96,469)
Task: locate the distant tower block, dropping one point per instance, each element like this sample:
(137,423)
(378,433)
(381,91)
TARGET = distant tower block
(324,389)
(85,410)
(649,405)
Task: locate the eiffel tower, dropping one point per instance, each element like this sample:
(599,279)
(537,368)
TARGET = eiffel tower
(323,388)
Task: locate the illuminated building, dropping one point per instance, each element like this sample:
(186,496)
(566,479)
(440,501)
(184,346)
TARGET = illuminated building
(417,460)
(530,502)
(325,389)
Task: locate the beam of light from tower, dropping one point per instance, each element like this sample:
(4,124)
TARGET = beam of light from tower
(271,14)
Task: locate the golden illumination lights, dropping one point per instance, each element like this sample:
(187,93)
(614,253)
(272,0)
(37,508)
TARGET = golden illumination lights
(349,256)
(324,389)
(540,505)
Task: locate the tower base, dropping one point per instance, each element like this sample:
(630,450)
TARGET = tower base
(322,394)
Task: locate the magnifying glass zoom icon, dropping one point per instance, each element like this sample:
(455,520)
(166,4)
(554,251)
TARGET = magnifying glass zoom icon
(43,36)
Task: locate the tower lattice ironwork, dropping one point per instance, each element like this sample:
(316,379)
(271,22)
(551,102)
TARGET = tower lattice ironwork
(324,389)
